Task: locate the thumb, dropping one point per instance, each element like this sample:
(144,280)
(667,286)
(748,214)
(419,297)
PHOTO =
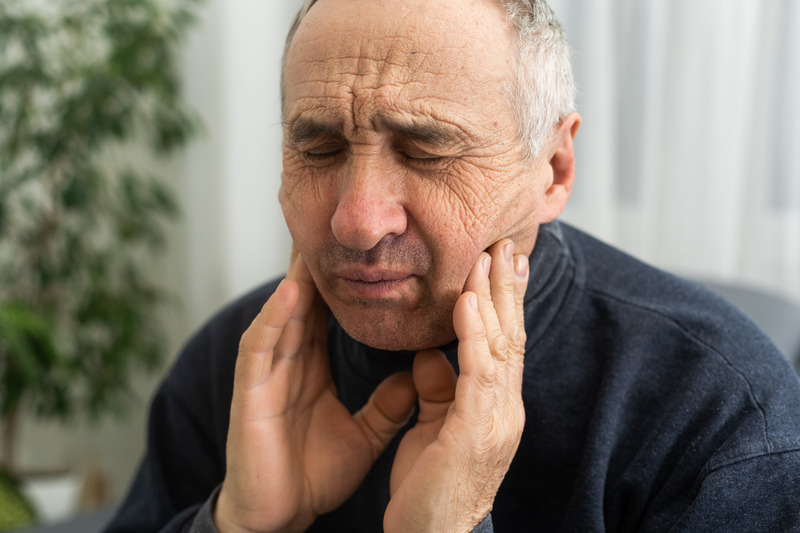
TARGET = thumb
(387,410)
(435,381)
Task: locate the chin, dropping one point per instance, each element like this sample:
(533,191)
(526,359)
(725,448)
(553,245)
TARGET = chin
(390,332)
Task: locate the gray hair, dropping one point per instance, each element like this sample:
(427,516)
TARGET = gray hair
(542,90)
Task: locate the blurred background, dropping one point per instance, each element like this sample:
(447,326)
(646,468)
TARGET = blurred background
(688,157)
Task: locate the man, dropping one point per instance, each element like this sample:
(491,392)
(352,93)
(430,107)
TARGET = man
(482,366)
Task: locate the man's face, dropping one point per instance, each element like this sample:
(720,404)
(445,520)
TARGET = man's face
(401,160)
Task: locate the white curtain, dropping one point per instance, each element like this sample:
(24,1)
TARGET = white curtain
(689,153)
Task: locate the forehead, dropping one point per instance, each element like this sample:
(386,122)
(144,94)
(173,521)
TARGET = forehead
(371,57)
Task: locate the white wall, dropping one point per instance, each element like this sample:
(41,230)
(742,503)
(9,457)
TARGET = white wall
(235,236)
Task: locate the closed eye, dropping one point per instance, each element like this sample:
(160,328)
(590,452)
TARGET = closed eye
(426,160)
(328,153)
(415,157)
(319,156)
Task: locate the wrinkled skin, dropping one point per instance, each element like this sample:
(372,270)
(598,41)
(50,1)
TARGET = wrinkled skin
(412,211)
(401,160)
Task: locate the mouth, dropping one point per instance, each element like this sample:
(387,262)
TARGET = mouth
(375,284)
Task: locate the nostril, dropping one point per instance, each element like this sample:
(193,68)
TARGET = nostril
(362,224)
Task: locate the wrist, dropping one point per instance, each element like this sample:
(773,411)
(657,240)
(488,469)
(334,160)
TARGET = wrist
(228,518)
(221,513)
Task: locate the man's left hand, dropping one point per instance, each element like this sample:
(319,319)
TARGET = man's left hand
(450,465)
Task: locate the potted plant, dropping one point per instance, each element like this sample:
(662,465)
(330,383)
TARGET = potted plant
(89,97)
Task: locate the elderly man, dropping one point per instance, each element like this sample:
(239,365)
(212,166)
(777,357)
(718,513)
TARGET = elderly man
(443,356)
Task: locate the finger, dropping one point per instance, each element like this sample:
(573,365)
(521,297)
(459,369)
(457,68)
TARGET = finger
(293,254)
(298,270)
(388,409)
(521,273)
(478,379)
(295,332)
(256,347)
(435,382)
(503,287)
(479,282)
(474,358)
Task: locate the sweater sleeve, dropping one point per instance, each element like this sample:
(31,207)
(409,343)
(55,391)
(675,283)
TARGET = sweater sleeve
(184,463)
(485,526)
(752,494)
(203,521)
(179,472)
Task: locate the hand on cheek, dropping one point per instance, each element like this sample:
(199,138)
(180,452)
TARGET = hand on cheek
(449,467)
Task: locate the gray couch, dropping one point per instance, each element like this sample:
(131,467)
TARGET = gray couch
(776,315)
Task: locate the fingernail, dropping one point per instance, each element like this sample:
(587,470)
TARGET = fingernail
(508,252)
(487,265)
(521,266)
(473,301)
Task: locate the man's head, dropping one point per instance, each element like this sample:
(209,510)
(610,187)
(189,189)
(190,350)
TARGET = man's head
(417,134)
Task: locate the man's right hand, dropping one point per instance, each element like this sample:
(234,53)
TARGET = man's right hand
(294,451)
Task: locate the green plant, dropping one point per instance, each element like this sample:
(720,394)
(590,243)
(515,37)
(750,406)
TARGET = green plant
(89,98)
(16,511)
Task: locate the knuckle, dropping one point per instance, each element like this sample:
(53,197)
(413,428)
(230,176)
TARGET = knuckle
(516,345)
(519,301)
(485,379)
(507,284)
(499,345)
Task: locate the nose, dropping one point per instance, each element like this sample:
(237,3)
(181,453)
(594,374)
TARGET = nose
(370,206)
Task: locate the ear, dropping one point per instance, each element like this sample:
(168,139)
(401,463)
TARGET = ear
(560,169)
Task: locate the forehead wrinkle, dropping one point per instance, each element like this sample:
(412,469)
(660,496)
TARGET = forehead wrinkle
(368,77)
(360,92)
(416,120)
(427,130)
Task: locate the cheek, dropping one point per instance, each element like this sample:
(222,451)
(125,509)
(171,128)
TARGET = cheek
(475,209)
(467,203)
(307,206)
(451,217)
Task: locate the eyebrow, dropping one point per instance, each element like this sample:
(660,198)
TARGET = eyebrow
(306,129)
(429,133)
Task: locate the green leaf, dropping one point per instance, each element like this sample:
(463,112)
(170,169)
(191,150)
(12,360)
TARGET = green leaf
(78,192)
(15,509)
(27,343)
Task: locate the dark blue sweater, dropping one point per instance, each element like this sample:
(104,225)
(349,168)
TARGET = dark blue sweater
(651,405)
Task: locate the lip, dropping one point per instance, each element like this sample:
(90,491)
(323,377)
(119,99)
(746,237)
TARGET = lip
(374,284)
